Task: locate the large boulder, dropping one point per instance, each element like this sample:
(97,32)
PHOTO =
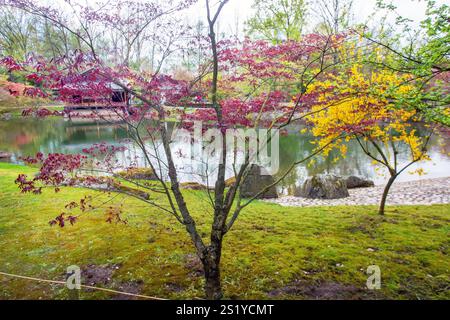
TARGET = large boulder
(138,174)
(358,182)
(323,187)
(230,181)
(194,186)
(255,181)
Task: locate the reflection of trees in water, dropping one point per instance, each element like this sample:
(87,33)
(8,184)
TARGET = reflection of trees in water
(354,162)
(28,136)
(292,147)
(94,133)
(298,146)
(25,136)
(441,144)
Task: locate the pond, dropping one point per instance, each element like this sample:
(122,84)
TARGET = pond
(27,136)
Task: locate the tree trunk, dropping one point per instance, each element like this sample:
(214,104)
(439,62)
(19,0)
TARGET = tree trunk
(213,286)
(211,266)
(385,194)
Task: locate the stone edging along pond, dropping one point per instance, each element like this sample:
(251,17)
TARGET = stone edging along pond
(418,192)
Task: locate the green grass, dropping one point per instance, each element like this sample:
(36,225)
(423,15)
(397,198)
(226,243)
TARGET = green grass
(271,249)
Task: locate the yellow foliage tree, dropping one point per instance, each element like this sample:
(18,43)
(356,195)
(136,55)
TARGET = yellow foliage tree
(357,104)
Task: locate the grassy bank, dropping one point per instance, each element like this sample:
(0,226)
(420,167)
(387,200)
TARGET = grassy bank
(16,111)
(272,252)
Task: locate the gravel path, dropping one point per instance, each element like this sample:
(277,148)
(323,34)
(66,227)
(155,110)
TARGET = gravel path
(427,191)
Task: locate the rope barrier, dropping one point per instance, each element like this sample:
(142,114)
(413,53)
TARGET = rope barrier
(83,286)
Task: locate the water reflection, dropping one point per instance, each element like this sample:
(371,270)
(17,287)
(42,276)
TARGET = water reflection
(24,137)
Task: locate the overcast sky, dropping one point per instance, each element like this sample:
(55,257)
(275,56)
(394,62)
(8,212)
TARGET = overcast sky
(240,10)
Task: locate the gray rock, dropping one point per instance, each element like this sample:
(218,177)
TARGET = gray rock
(256,181)
(6,116)
(358,182)
(138,174)
(323,187)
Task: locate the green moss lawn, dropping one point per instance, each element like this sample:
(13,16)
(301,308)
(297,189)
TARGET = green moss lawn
(272,252)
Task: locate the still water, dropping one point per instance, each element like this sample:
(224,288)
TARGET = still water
(27,136)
